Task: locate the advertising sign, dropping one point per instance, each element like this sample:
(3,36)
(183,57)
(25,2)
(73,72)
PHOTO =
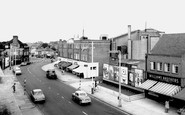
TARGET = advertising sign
(7,61)
(105,71)
(139,78)
(124,75)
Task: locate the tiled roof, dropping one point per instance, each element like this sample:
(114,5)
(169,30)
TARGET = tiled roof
(170,44)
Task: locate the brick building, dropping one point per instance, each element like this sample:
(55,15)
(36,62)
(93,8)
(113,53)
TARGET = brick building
(86,50)
(165,67)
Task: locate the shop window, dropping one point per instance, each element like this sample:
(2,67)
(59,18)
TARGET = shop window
(175,68)
(167,67)
(159,66)
(94,68)
(152,66)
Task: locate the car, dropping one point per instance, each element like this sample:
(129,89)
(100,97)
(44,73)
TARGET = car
(50,74)
(37,95)
(23,63)
(181,111)
(81,97)
(17,70)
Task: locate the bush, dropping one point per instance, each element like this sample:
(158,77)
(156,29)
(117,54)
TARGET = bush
(4,111)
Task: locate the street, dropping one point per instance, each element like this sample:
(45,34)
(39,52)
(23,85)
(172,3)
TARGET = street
(58,94)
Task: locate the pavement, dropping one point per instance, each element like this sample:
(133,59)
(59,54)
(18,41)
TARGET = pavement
(20,104)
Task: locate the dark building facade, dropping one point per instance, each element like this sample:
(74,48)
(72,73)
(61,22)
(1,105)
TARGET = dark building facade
(13,52)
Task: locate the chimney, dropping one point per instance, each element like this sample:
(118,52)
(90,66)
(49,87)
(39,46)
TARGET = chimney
(129,43)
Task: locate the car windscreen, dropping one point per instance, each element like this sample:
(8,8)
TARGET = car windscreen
(82,94)
(38,93)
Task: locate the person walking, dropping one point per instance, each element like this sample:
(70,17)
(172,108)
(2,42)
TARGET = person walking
(13,87)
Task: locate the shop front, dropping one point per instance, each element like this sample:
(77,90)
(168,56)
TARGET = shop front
(162,85)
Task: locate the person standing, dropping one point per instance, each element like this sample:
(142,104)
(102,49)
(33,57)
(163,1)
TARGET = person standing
(167,106)
(13,88)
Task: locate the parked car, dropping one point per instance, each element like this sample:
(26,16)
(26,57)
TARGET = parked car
(37,95)
(181,111)
(51,74)
(17,70)
(23,63)
(81,97)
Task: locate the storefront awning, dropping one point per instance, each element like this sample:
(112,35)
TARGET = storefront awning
(180,95)
(73,67)
(147,84)
(165,89)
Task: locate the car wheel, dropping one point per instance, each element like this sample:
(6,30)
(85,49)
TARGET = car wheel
(80,102)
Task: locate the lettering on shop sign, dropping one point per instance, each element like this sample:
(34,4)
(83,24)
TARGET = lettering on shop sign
(166,79)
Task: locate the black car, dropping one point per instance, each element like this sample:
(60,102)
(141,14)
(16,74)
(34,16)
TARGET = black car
(50,74)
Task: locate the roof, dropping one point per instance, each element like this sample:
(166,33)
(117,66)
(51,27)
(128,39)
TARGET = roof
(170,44)
(125,34)
(36,90)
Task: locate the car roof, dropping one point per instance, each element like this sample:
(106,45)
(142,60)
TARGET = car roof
(36,90)
(80,91)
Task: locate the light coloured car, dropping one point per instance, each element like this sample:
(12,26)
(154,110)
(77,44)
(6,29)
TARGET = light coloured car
(23,63)
(17,70)
(81,97)
(37,95)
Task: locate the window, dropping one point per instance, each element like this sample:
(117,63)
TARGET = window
(159,66)
(175,68)
(152,66)
(167,67)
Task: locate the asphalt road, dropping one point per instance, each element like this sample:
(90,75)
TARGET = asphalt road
(58,94)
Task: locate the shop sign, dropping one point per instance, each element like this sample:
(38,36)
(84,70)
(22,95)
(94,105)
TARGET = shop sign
(167,79)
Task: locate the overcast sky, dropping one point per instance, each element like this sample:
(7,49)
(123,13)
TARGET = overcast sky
(51,20)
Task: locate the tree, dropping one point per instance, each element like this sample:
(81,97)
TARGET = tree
(44,45)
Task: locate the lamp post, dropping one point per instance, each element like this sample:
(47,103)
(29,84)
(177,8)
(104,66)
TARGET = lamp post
(119,97)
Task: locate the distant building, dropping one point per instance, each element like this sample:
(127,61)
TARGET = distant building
(86,50)
(14,52)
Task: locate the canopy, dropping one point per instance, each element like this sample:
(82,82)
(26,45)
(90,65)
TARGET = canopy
(165,89)
(147,84)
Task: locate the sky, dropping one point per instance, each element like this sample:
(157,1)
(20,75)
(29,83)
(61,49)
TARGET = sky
(51,20)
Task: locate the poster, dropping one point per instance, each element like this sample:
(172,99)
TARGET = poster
(139,78)
(105,71)
(124,75)
(111,72)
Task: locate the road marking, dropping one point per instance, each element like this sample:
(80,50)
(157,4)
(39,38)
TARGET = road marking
(62,97)
(84,113)
(57,93)
(69,102)
(49,87)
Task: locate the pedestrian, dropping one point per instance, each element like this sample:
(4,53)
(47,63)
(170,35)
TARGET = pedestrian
(167,106)
(13,88)
(24,86)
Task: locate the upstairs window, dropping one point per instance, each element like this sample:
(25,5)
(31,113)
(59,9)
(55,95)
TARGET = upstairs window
(167,67)
(159,66)
(152,66)
(175,68)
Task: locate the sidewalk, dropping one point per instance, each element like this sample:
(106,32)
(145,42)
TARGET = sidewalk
(138,107)
(17,103)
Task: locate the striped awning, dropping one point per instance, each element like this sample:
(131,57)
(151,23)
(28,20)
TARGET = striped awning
(165,89)
(147,84)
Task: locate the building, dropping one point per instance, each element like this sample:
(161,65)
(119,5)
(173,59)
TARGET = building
(86,51)
(14,52)
(133,47)
(165,67)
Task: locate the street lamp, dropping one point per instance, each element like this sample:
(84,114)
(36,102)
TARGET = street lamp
(119,97)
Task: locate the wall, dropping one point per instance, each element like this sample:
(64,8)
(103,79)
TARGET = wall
(139,49)
(101,54)
(165,59)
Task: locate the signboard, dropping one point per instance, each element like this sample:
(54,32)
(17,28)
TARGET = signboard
(139,78)
(124,75)
(105,71)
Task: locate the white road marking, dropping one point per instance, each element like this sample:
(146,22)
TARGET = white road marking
(62,97)
(84,113)
(69,101)
(57,93)
(49,87)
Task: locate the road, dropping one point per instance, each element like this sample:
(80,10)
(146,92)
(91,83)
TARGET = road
(58,94)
